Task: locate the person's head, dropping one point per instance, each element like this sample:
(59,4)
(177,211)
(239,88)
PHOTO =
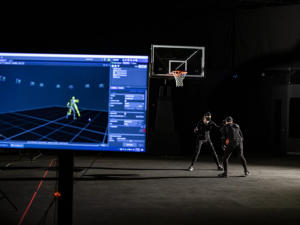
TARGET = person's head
(207,116)
(228,119)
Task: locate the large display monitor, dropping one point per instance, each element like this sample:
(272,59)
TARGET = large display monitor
(73,102)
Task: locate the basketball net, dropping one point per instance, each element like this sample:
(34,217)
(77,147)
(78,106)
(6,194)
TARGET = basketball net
(179,76)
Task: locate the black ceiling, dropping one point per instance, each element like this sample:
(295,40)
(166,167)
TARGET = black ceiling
(251,3)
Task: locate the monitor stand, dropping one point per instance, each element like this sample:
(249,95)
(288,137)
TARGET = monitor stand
(4,196)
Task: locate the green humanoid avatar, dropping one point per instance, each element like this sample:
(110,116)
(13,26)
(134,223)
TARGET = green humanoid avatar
(73,107)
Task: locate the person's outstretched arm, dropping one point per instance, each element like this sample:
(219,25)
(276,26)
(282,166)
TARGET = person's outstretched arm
(214,124)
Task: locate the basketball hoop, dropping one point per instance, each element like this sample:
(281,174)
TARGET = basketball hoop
(179,76)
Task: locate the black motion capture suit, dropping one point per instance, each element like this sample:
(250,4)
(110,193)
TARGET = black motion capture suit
(203,137)
(233,132)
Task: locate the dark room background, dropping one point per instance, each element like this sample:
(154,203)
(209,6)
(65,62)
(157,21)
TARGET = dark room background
(239,40)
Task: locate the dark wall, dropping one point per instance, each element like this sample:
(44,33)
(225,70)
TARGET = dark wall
(237,41)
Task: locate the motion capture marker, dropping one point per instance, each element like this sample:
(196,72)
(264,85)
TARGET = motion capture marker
(57,86)
(41,85)
(32,83)
(71,86)
(101,85)
(2,78)
(18,81)
(87,86)
(89,119)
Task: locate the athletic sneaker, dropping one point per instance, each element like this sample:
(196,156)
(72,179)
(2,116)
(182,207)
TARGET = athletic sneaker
(247,173)
(223,175)
(220,167)
(190,168)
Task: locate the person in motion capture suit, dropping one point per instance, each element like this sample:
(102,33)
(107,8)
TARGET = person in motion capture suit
(203,128)
(233,133)
(73,107)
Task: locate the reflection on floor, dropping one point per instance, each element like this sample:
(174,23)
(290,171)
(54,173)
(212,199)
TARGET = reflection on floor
(142,189)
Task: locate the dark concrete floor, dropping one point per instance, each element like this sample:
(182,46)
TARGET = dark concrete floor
(140,189)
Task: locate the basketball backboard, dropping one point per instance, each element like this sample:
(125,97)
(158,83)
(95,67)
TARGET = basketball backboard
(168,58)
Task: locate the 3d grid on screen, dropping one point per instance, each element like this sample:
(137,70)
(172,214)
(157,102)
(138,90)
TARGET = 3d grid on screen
(167,58)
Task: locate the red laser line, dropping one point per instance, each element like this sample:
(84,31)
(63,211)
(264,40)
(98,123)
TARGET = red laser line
(27,208)
(33,196)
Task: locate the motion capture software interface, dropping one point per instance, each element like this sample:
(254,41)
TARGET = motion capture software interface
(75,102)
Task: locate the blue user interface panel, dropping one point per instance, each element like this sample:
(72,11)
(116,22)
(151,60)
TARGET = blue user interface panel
(73,102)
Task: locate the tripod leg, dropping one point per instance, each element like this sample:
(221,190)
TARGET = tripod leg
(42,154)
(21,155)
(8,200)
